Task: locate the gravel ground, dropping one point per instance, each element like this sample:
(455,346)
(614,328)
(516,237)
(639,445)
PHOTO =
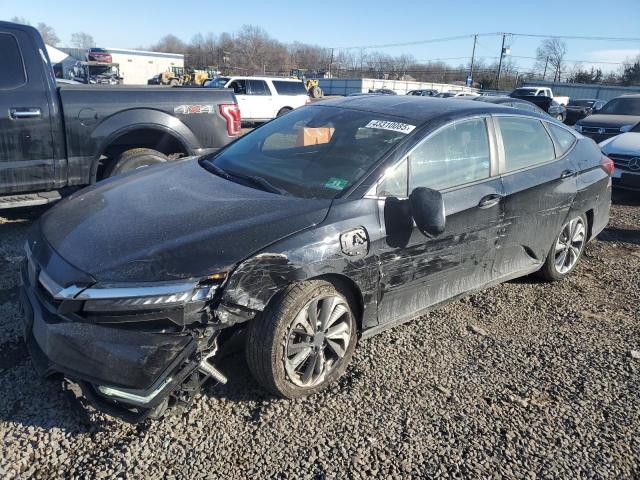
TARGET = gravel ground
(524,380)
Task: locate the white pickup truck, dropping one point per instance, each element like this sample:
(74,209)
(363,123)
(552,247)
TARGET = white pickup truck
(538,92)
(263,98)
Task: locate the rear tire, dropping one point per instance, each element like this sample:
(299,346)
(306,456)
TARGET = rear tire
(283,111)
(290,357)
(134,159)
(566,250)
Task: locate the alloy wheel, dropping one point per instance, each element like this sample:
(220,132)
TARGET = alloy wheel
(569,245)
(317,340)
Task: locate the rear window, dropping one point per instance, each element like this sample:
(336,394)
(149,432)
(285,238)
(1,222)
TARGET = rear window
(289,88)
(526,142)
(13,74)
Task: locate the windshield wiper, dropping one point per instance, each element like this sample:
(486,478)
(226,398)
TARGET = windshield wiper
(261,183)
(255,180)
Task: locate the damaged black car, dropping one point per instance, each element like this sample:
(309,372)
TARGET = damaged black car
(322,227)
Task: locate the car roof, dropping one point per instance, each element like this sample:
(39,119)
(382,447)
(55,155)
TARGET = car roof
(284,79)
(417,109)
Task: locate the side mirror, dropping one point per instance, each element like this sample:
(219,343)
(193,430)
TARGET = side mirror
(427,210)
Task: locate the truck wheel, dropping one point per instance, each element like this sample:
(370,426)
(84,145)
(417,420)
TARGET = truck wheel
(304,339)
(134,159)
(316,92)
(282,111)
(174,82)
(566,250)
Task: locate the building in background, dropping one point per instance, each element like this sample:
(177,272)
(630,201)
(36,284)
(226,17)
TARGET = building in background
(138,66)
(135,66)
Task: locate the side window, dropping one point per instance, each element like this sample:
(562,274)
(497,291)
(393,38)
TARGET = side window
(456,155)
(259,87)
(525,141)
(13,74)
(239,87)
(394,183)
(564,139)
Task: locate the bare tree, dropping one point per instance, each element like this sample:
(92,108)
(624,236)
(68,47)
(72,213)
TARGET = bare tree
(82,40)
(551,53)
(48,34)
(20,20)
(170,44)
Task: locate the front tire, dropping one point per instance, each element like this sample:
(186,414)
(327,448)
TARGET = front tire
(566,250)
(304,339)
(283,111)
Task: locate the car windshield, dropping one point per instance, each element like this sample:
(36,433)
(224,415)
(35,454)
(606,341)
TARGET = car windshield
(524,91)
(312,152)
(622,106)
(219,82)
(581,103)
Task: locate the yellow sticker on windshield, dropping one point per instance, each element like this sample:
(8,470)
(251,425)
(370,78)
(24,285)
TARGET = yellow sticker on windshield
(393,126)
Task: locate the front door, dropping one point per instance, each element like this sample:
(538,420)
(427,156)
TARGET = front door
(417,272)
(540,187)
(26,142)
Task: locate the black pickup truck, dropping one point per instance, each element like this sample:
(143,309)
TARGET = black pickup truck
(52,137)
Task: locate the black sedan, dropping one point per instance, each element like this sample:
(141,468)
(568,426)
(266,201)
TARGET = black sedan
(511,102)
(618,116)
(329,224)
(578,109)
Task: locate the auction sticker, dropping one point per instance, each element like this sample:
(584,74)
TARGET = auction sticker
(393,126)
(335,183)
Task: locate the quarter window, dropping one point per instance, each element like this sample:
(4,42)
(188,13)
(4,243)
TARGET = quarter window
(564,139)
(12,65)
(456,155)
(525,141)
(239,87)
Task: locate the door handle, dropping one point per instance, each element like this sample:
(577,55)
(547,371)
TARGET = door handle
(489,201)
(567,174)
(18,113)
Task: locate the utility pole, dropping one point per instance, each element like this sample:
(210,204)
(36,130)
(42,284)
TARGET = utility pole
(546,62)
(473,54)
(504,35)
(330,63)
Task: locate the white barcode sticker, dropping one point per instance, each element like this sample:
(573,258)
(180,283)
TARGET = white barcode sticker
(393,126)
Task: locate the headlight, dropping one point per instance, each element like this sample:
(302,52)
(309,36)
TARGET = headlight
(110,298)
(578,128)
(626,128)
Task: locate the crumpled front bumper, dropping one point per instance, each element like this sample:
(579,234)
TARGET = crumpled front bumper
(125,372)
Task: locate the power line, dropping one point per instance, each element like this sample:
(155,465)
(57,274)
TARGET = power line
(460,37)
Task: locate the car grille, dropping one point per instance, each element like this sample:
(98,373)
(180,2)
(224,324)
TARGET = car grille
(622,162)
(606,130)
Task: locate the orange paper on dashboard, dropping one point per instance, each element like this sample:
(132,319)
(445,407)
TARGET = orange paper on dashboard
(314,136)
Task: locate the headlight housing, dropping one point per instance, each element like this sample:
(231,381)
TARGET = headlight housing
(626,128)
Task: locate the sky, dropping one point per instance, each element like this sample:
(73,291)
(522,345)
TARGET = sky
(339,24)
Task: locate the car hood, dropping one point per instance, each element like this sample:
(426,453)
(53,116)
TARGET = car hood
(599,120)
(625,144)
(169,222)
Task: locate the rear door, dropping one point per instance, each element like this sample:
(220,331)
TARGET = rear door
(262,106)
(26,142)
(418,272)
(540,186)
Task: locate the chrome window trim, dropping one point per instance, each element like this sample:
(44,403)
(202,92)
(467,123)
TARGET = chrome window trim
(372,192)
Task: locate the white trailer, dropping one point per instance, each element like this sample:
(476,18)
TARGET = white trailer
(345,86)
(138,66)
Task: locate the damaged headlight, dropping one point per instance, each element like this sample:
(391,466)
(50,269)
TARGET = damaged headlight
(127,298)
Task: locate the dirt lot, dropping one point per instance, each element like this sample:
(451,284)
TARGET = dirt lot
(524,380)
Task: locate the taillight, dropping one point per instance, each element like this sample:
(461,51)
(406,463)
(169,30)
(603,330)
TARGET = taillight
(231,113)
(607,165)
